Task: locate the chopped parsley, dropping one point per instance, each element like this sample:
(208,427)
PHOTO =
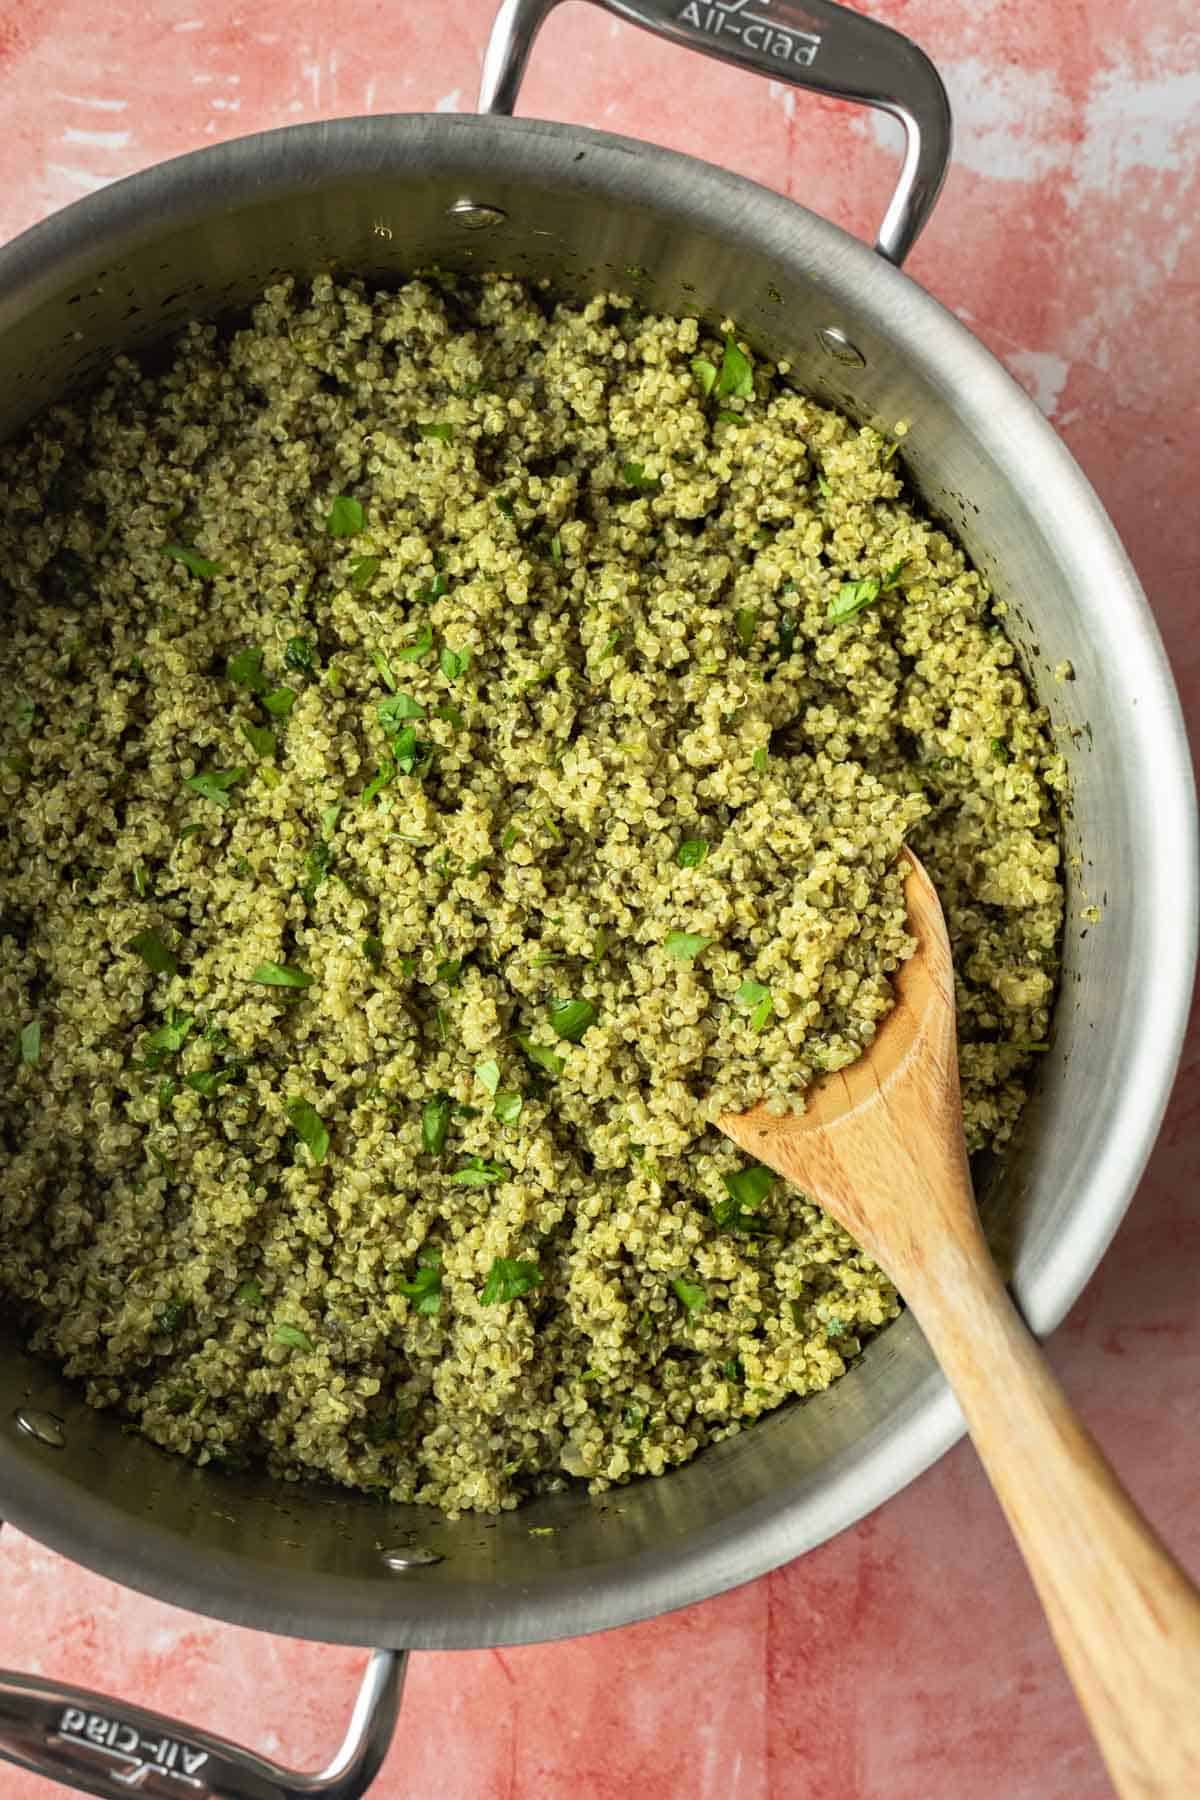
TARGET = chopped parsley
(363,571)
(385,669)
(571,1018)
(166,1040)
(438,433)
(488,1075)
(260,739)
(280,701)
(759,760)
(248,1293)
(508,1108)
(757,998)
(691,1296)
(454,662)
(299,654)
(746,623)
(477,1171)
(852,597)
(435,1124)
(306,1122)
(195,564)
(541,1054)
(214,784)
(736,379)
(172,1316)
(372,949)
(29,1042)
(419,649)
(691,853)
(209,1082)
(556,550)
(891,577)
(291,1337)
(141,880)
(685,946)
(272,974)
(634,475)
(396,708)
(317,865)
(245,670)
(508,1279)
(24,714)
(746,1189)
(158,958)
(346,518)
(425,1288)
(610,644)
(705,373)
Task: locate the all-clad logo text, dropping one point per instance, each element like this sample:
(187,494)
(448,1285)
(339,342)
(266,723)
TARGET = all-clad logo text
(734,19)
(141,1756)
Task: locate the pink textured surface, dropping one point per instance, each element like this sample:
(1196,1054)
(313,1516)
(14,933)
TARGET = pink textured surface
(908,1658)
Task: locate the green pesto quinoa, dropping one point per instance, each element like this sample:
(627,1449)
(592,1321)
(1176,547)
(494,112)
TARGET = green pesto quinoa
(452,745)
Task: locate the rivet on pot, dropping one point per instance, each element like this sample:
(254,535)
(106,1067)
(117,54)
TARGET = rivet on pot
(835,343)
(43,1426)
(475,217)
(413,1558)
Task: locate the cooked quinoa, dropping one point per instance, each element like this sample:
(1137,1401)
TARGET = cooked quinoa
(454,745)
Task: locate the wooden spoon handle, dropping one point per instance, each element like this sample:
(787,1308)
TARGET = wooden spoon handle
(1125,1616)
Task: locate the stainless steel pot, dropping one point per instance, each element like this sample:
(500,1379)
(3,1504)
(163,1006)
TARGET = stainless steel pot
(203,234)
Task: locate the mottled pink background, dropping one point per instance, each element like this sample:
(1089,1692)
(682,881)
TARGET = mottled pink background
(908,1658)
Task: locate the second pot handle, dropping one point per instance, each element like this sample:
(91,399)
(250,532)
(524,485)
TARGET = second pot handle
(108,1748)
(814,44)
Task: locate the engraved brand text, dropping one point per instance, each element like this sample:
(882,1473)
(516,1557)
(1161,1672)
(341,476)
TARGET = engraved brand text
(141,1755)
(734,19)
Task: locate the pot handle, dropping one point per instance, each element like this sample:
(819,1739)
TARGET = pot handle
(104,1747)
(813,44)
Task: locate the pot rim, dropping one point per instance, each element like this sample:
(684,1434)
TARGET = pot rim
(993,408)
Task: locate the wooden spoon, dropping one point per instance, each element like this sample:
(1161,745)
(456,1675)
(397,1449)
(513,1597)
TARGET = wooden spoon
(880,1146)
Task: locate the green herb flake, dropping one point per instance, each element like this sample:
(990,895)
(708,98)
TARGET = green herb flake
(195,564)
(248,1293)
(363,571)
(691,853)
(435,1124)
(280,701)
(1000,751)
(757,998)
(610,644)
(214,784)
(141,880)
(488,1075)
(372,949)
(291,1337)
(272,974)
(438,433)
(425,1288)
(154,953)
(346,518)
(541,1055)
(746,624)
(260,739)
(454,662)
(556,550)
(245,670)
(419,649)
(508,1279)
(745,1191)
(705,373)
(29,1043)
(383,778)
(508,1108)
(306,1122)
(634,475)
(760,758)
(571,1018)
(172,1316)
(852,597)
(300,654)
(24,714)
(685,946)
(736,379)
(167,1039)
(209,1082)
(398,707)
(834,1328)
(891,577)
(477,1171)
(691,1296)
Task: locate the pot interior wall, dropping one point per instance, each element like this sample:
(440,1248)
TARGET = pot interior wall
(204,236)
